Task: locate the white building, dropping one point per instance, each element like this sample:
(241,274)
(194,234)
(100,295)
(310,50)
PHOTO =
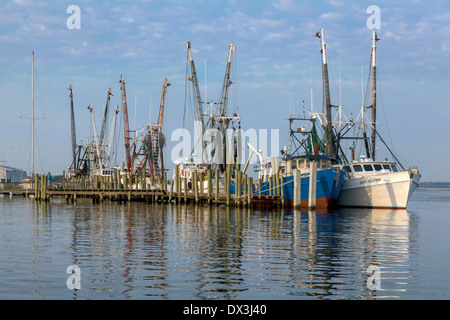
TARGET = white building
(10,174)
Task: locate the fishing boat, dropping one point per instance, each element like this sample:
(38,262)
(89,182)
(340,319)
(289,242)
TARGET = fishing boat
(329,180)
(216,130)
(307,155)
(371,183)
(310,177)
(311,168)
(377,184)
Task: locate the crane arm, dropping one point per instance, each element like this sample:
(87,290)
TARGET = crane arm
(253,151)
(126,125)
(226,82)
(194,79)
(105,118)
(161,107)
(72,127)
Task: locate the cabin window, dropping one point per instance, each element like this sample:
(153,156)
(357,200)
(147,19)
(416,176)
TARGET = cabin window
(347,169)
(394,168)
(377,167)
(387,167)
(293,164)
(357,168)
(302,164)
(368,167)
(323,163)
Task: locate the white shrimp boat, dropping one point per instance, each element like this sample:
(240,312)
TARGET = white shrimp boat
(377,184)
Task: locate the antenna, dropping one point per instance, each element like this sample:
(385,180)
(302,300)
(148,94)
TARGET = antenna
(312,97)
(32,116)
(206,97)
(135,102)
(150,112)
(362,88)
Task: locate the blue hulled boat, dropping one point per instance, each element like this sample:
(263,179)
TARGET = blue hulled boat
(329,180)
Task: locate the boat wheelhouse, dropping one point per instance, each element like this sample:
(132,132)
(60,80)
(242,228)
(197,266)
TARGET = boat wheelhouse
(368,167)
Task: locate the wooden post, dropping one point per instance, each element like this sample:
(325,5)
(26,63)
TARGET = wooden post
(244,187)
(196,186)
(297,197)
(250,191)
(165,181)
(270,185)
(312,185)
(282,190)
(209,179)
(171,190)
(216,182)
(179,190)
(229,184)
(36,187)
(185,189)
(237,187)
(177,182)
(42,184)
(277,184)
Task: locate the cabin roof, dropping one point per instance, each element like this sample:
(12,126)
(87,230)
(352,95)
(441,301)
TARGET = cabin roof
(312,157)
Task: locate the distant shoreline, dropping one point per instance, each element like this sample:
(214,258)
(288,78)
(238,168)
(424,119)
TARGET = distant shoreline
(432,188)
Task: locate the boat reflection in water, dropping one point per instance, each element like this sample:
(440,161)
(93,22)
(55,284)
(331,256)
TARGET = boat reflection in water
(156,251)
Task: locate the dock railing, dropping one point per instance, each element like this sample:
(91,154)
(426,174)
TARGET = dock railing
(16,185)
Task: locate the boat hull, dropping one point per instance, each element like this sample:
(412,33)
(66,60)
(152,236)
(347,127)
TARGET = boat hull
(328,188)
(387,190)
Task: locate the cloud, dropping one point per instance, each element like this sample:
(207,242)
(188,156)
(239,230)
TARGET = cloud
(127,19)
(274,36)
(331,16)
(337,3)
(286,5)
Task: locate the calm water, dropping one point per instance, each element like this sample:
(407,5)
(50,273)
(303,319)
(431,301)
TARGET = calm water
(139,251)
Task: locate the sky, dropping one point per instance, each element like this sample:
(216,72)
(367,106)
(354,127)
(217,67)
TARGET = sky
(276,67)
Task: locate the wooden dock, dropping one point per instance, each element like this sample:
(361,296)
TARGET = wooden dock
(159,190)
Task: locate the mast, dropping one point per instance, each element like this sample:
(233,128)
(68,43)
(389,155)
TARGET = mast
(99,162)
(374,92)
(226,83)
(126,124)
(160,123)
(105,117)
(161,107)
(329,133)
(32,115)
(224,101)
(72,127)
(193,78)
